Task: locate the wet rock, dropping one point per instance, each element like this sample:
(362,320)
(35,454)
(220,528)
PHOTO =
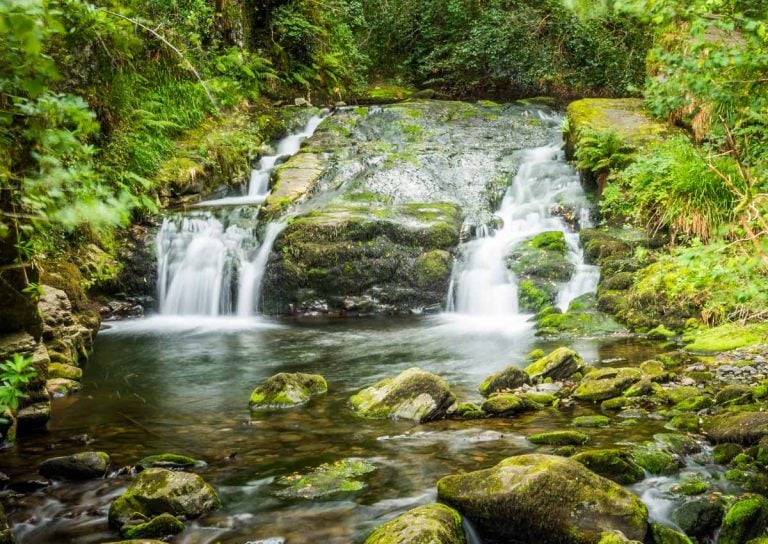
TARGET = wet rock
(676,443)
(80,466)
(700,517)
(738,427)
(542,258)
(34,416)
(606,383)
(558,365)
(665,535)
(591,421)
(325,480)
(515,501)
(414,395)
(589,323)
(614,464)
(69,372)
(724,453)
(158,491)
(286,390)
(734,395)
(508,405)
(170,461)
(161,526)
(615,537)
(746,519)
(559,438)
(653,459)
(468,410)
(60,387)
(433,524)
(508,379)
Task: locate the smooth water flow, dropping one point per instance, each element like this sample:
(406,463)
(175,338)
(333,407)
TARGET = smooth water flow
(206,268)
(482,284)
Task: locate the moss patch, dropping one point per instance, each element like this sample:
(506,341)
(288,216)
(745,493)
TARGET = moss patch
(325,480)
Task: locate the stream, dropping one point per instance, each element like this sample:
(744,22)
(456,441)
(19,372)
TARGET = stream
(179,381)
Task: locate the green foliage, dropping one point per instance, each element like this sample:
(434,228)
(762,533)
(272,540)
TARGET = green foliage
(602,151)
(670,187)
(15,373)
(511,48)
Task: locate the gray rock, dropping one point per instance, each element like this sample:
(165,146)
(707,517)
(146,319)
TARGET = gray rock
(80,466)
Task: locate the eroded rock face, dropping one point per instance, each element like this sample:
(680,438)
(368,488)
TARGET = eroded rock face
(158,491)
(433,524)
(285,390)
(414,394)
(545,499)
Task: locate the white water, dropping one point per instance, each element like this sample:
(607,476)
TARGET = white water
(208,269)
(482,286)
(258,187)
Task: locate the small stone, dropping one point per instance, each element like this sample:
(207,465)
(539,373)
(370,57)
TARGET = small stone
(559,438)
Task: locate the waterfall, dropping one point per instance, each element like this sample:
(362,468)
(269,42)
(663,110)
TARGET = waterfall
(207,267)
(482,284)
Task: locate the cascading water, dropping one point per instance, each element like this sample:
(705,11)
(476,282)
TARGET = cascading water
(209,267)
(482,284)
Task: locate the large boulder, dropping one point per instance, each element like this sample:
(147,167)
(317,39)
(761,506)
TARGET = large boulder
(507,379)
(544,499)
(158,491)
(739,427)
(432,524)
(80,466)
(414,394)
(558,365)
(746,519)
(285,390)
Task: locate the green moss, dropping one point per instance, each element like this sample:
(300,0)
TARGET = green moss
(613,464)
(508,379)
(685,422)
(591,421)
(661,333)
(654,460)
(534,296)
(559,364)
(382,93)
(68,372)
(665,535)
(605,384)
(559,438)
(536,354)
(168,460)
(325,480)
(691,486)
(550,241)
(726,337)
(746,519)
(544,399)
(158,527)
(506,405)
(724,453)
(695,404)
(433,524)
(577,324)
(616,403)
(433,267)
(285,390)
(467,410)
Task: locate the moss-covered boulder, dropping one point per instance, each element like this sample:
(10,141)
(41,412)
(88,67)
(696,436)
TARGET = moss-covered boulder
(738,427)
(606,383)
(158,491)
(285,390)
(542,259)
(591,421)
(161,526)
(545,499)
(660,534)
(328,479)
(506,380)
(724,453)
(414,394)
(614,464)
(700,517)
(559,438)
(508,405)
(746,519)
(655,460)
(432,524)
(560,364)
(588,323)
(80,466)
(733,395)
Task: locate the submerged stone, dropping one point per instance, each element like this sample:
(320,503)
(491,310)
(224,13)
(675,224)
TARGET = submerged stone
(285,390)
(558,365)
(544,499)
(326,479)
(508,379)
(80,466)
(158,491)
(614,464)
(430,524)
(414,394)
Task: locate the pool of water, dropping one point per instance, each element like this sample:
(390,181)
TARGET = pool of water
(175,385)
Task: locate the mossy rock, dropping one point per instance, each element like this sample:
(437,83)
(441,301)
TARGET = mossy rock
(640,389)
(694,404)
(468,410)
(620,281)
(591,421)
(544,499)
(746,519)
(603,384)
(559,438)
(64,371)
(285,390)
(432,268)
(80,466)
(700,517)
(508,405)
(616,403)
(614,464)
(654,371)
(735,394)
(691,487)
(413,395)
(616,537)
(738,427)
(560,364)
(577,324)
(600,246)
(726,337)
(158,491)
(325,480)
(535,295)
(161,526)
(653,459)
(507,379)
(678,394)
(666,535)
(542,258)
(684,422)
(169,461)
(432,524)
(724,453)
